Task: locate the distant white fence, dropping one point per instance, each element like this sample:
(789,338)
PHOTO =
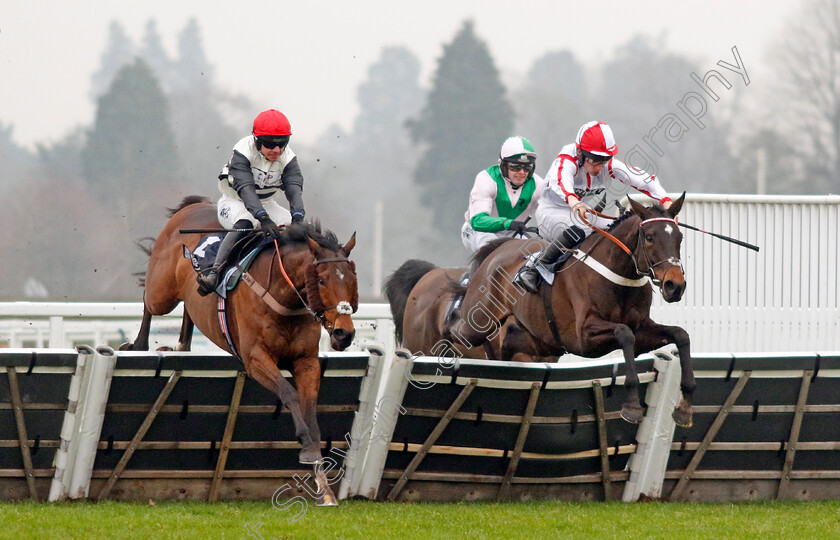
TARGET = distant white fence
(785,297)
(67,325)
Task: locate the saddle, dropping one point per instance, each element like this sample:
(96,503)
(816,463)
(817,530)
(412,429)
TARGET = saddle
(241,256)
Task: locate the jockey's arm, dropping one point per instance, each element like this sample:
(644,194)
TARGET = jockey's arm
(243,183)
(292,185)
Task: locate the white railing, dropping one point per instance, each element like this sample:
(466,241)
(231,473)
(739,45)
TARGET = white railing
(63,325)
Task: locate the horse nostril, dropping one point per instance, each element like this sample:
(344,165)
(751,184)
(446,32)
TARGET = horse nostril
(669,287)
(339,334)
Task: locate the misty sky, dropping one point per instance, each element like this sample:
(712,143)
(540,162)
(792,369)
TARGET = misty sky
(307,58)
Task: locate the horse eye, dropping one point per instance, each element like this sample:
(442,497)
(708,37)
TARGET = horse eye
(322,282)
(649,237)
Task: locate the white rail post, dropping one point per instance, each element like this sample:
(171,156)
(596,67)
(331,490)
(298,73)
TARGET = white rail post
(56,332)
(360,431)
(656,432)
(88,421)
(63,458)
(388,409)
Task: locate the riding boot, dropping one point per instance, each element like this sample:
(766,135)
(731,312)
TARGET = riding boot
(208,280)
(529,275)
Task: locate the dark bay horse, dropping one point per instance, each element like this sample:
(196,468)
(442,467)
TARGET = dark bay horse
(420,295)
(597,303)
(308,282)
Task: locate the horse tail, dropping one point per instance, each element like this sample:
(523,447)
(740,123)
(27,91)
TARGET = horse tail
(188,200)
(398,287)
(146,244)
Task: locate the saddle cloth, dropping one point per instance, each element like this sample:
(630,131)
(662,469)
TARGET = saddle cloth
(204,256)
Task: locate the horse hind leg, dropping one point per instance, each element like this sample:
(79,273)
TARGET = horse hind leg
(141,342)
(186,335)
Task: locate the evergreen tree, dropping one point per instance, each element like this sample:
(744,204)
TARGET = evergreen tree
(131,145)
(464,122)
(192,71)
(118,53)
(153,53)
(352,174)
(16,159)
(204,137)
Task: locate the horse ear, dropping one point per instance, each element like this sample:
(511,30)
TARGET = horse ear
(676,206)
(348,247)
(638,208)
(314,247)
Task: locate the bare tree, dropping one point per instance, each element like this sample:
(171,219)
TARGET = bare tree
(806,104)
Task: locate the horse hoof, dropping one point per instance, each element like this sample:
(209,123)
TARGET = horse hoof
(127,346)
(682,418)
(327,499)
(310,456)
(633,415)
(165,348)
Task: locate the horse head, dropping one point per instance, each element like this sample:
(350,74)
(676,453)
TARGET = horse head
(657,252)
(332,290)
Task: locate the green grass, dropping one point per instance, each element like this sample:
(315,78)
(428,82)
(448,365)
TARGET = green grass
(372,521)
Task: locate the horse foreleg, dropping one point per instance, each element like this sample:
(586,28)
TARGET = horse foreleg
(141,343)
(650,336)
(264,370)
(598,335)
(307,374)
(187,326)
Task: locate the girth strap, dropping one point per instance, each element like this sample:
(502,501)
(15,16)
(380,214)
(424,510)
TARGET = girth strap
(545,293)
(221,308)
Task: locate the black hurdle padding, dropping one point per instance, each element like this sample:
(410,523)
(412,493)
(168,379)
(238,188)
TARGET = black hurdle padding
(208,380)
(504,389)
(43,377)
(776,380)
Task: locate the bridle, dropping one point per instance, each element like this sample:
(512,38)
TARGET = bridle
(314,306)
(649,273)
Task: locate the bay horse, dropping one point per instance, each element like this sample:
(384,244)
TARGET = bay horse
(421,294)
(303,281)
(599,301)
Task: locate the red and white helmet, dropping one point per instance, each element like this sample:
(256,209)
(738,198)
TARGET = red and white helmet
(596,138)
(273,123)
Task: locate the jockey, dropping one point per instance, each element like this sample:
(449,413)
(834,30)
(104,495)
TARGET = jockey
(583,170)
(262,165)
(503,196)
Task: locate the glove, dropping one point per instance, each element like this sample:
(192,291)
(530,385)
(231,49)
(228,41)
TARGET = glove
(517,226)
(297,217)
(267,224)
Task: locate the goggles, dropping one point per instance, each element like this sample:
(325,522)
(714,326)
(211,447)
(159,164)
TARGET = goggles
(272,142)
(520,167)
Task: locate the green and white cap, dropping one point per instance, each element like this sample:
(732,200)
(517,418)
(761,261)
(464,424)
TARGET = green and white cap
(518,149)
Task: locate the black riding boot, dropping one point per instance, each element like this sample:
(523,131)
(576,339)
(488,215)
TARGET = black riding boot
(529,276)
(208,280)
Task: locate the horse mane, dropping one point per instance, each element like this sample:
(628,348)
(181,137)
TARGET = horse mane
(620,219)
(485,251)
(186,201)
(298,233)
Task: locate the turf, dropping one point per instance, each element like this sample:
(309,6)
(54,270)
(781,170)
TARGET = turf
(369,520)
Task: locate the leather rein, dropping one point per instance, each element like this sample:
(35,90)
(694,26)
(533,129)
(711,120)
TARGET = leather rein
(343,307)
